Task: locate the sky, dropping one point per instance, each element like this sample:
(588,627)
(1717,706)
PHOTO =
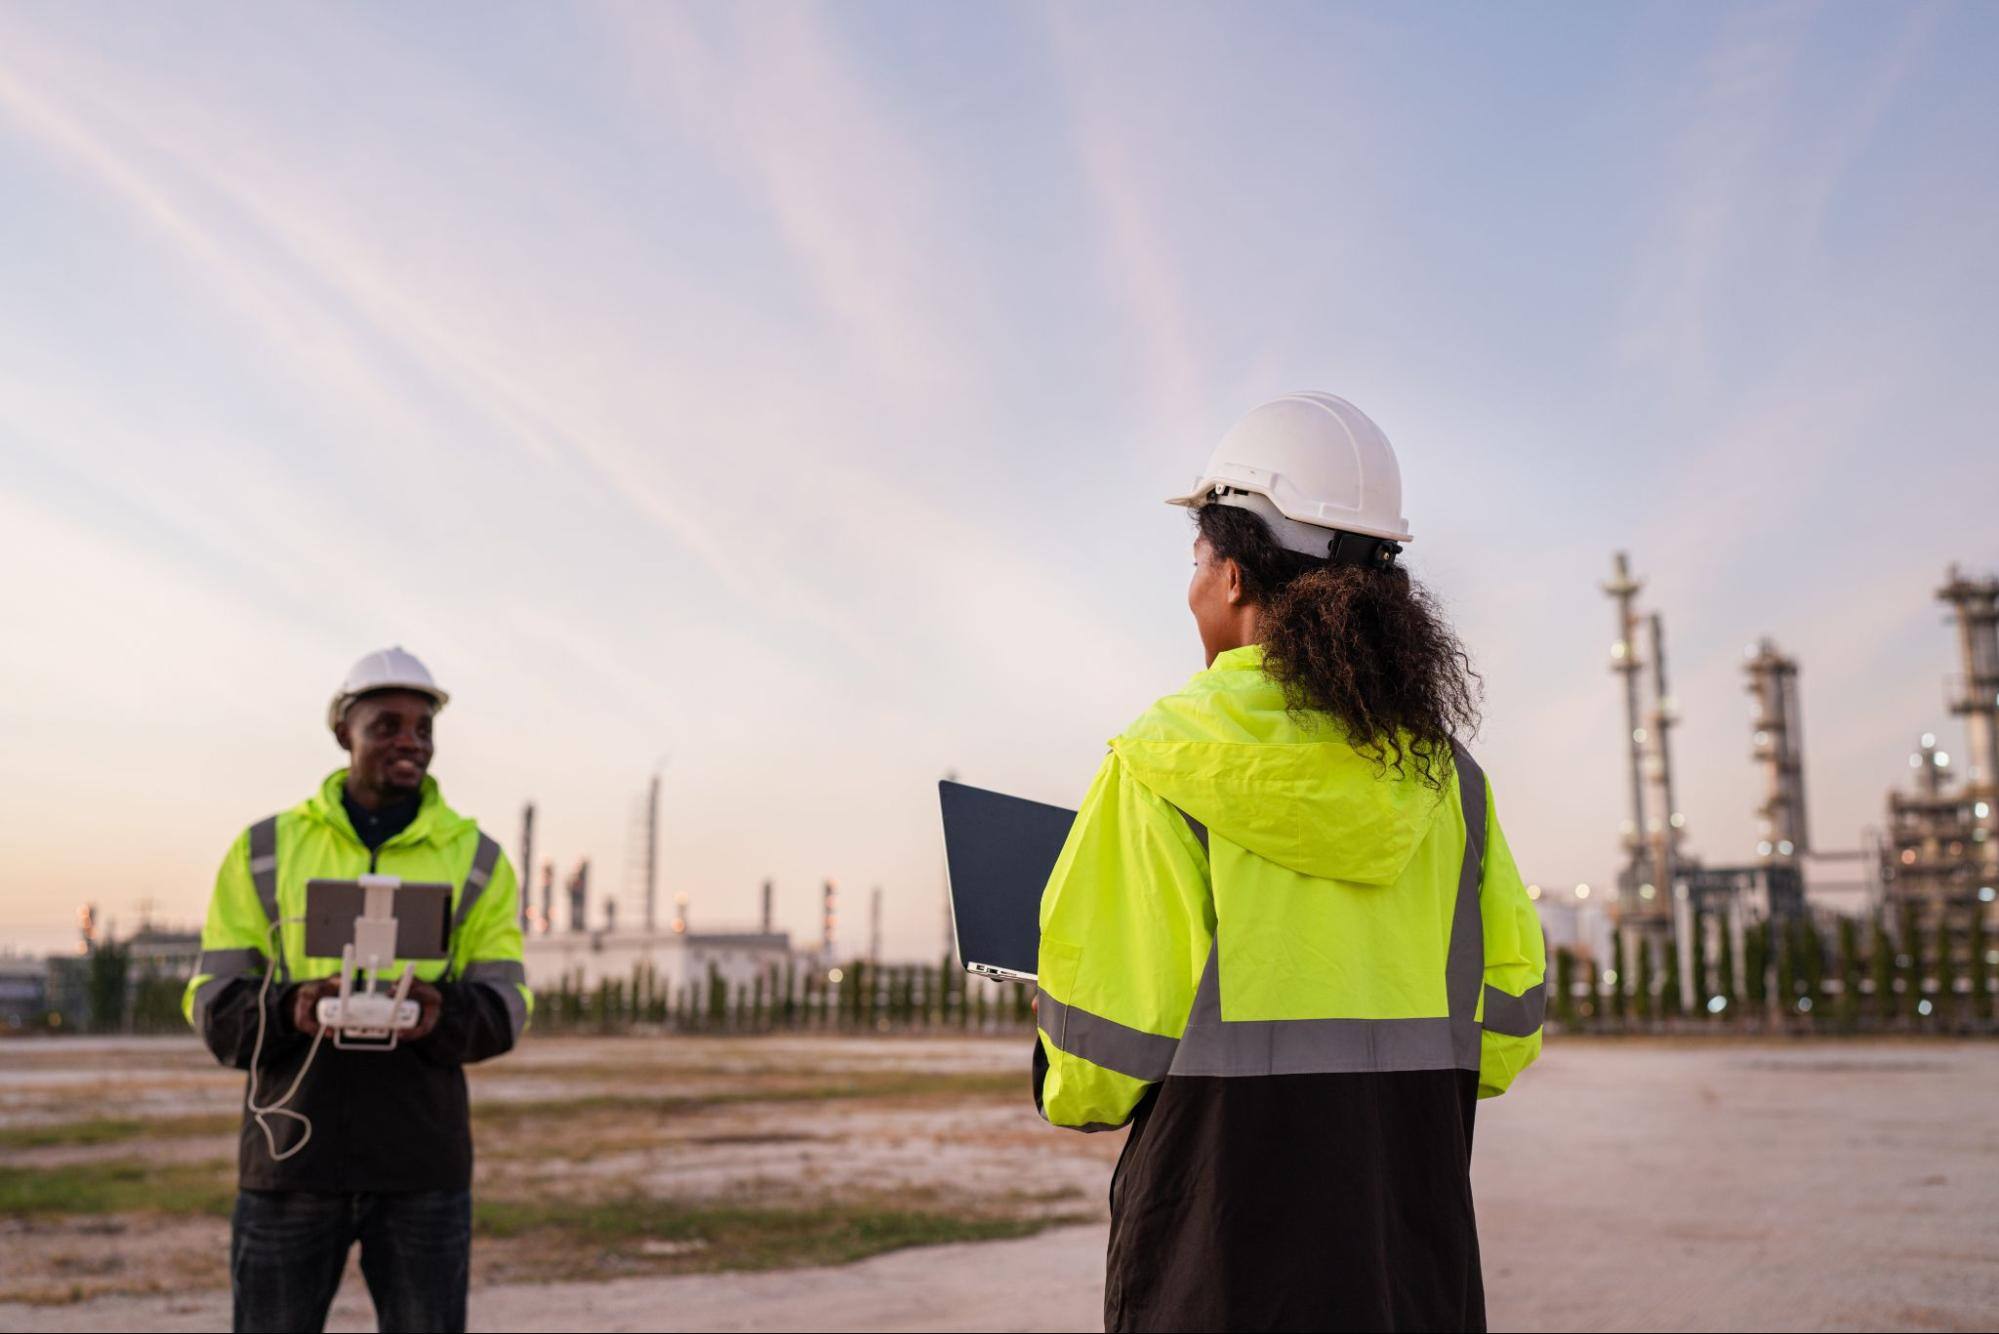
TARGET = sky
(780,398)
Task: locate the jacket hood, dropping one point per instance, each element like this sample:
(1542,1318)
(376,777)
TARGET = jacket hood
(1227,752)
(434,820)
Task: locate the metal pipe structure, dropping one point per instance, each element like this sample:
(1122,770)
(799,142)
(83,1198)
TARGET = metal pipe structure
(526,876)
(1667,822)
(875,925)
(767,920)
(1623,589)
(547,923)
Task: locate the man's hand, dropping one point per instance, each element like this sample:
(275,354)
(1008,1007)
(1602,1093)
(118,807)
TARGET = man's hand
(430,1003)
(305,1003)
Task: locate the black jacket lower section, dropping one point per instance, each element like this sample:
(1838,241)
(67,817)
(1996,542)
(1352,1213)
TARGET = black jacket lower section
(1309,1202)
(382,1121)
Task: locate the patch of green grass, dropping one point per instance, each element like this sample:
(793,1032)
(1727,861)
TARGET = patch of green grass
(644,1234)
(110,1130)
(899,1085)
(125,1186)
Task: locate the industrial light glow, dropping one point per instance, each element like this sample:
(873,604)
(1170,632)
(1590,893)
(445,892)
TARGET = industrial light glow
(1981,809)
(1678,821)
(1985,894)
(1784,847)
(1804,1005)
(1763,848)
(1534,891)
(1716,1004)
(1582,891)
(1943,759)
(834,975)
(1923,1007)
(1610,976)
(1647,892)
(1929,740)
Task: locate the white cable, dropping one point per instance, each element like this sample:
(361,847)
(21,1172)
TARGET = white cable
(278,1108)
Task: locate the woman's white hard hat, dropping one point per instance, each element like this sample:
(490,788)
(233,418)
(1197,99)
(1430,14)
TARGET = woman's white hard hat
(386,669)
(1307,462)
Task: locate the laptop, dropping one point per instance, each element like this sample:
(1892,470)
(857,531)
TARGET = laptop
(998,854)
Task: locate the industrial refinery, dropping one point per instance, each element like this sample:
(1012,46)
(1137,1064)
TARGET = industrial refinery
(1927,874)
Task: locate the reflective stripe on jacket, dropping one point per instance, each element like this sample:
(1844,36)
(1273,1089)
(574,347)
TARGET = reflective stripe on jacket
(381,1120)
(1297,972)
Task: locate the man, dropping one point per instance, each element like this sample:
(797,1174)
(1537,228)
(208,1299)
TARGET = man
(370,1146)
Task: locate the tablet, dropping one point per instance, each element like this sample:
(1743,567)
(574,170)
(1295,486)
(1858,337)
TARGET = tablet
(423,918)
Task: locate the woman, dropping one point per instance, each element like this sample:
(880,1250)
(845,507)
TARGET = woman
(1285,940)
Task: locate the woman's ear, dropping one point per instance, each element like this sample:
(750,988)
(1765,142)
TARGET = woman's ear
(1232,573)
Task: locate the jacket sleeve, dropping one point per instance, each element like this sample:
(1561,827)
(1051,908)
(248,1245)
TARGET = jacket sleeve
(1516,966)
(1126,926)
(221,999)
(488,1005)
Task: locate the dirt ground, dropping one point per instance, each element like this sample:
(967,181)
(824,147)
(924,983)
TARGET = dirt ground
(1622,1185)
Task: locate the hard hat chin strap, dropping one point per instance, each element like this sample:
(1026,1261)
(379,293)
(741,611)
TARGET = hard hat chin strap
(1335,546)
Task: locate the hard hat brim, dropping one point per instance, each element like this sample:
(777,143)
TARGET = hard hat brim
(337,709)
(1205,490)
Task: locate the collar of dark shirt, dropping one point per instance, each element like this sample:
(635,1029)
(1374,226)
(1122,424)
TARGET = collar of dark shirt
(374,828)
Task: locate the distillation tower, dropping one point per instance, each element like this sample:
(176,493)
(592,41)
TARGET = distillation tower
(1940,856)
(1974,696)
(1651,835)
(1779,752)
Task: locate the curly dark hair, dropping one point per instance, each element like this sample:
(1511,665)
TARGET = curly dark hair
(1368,647)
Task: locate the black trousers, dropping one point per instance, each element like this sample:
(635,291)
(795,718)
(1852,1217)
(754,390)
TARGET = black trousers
(287,1250)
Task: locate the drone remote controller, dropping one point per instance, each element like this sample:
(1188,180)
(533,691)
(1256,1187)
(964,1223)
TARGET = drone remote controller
(367,1016)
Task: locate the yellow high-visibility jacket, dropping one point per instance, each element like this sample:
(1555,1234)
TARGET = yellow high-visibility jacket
(382,1120)
(1297,972)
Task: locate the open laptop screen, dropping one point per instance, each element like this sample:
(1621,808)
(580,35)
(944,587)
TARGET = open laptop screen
(999,851)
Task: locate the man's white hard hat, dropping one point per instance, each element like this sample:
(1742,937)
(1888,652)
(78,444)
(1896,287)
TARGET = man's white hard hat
(386,669)
(1306,463)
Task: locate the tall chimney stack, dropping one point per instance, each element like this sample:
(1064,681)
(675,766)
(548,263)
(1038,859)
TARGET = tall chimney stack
(527,864)
(828,899)
(652,856)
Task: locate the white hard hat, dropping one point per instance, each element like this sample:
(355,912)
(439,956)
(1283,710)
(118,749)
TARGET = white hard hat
(1307,463)
(388,669)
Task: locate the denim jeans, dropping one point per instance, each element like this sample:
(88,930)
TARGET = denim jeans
(287,1250)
